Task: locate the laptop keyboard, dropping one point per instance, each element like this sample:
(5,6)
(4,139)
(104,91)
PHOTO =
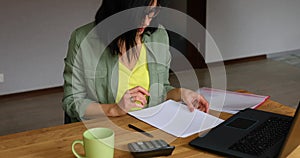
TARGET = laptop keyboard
(263,137)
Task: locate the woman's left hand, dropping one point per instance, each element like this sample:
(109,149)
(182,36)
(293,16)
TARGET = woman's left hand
(194,100)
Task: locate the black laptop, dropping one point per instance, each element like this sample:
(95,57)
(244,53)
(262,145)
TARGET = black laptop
(253,133)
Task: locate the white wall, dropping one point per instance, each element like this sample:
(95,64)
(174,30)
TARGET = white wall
(244,28)
(33,40)
(34,34)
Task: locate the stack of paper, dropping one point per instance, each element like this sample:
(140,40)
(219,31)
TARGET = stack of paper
(231,102)
(175,118)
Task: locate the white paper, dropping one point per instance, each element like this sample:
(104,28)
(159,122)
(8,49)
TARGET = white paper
(231,102)
(175,118)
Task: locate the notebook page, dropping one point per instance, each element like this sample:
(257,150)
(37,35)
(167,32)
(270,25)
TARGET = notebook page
(231,102)
(175,118)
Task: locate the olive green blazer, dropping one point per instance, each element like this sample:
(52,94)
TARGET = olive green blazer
(91,71)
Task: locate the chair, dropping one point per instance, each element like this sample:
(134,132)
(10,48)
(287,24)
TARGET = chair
(67,119)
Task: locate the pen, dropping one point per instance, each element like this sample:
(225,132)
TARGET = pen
(140,130)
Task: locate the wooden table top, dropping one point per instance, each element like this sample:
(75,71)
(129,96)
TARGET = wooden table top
(295,153)
(56,141)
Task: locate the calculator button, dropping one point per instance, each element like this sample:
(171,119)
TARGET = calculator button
(139,143)
(163,143)
(143,146)
(149,145)
(156,144)
(135,147)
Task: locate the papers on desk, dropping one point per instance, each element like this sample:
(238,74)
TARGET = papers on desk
(175,118)
(231,102)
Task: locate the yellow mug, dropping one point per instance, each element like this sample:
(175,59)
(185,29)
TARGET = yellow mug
(97,143)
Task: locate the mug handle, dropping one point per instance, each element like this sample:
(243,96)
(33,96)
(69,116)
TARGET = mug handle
(73,148)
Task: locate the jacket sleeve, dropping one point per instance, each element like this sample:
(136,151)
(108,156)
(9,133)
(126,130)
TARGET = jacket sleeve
(165,40)
(167,84)
(75,99)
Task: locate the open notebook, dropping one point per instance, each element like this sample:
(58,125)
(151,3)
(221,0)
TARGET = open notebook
(231,102)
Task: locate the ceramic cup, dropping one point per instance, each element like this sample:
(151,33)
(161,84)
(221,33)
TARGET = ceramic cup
(97,143)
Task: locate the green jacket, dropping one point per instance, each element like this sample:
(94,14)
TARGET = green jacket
(92,76)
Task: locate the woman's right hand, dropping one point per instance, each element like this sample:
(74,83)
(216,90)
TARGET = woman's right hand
(133,98)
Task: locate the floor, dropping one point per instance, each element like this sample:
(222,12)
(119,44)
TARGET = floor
(292,58)
(279,80)
(278,77)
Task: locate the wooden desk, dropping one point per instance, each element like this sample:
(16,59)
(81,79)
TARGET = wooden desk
(56,141)
(295,153)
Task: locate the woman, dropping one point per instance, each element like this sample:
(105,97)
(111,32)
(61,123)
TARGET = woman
(132,72)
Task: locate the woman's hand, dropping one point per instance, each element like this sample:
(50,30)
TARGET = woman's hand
(135,97)
(194,100)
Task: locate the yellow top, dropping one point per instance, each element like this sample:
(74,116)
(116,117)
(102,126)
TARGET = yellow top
(138,76)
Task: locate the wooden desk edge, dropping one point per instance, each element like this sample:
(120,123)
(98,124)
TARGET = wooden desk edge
(295,153)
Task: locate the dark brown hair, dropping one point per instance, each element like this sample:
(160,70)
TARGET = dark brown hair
(111,7)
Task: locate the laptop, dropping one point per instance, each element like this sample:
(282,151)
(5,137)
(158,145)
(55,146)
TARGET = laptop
(253,134)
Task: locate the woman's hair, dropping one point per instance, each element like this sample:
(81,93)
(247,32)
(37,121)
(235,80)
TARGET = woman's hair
(110,7)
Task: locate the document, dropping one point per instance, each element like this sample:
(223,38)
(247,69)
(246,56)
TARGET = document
(176,119)
(231,102)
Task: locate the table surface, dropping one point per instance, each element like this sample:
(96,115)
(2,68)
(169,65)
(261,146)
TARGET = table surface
(295,153)
(56,141)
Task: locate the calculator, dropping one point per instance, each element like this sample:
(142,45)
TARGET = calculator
(150,148)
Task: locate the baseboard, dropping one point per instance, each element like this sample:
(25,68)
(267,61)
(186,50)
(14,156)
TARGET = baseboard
(247,59)
(240,60)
